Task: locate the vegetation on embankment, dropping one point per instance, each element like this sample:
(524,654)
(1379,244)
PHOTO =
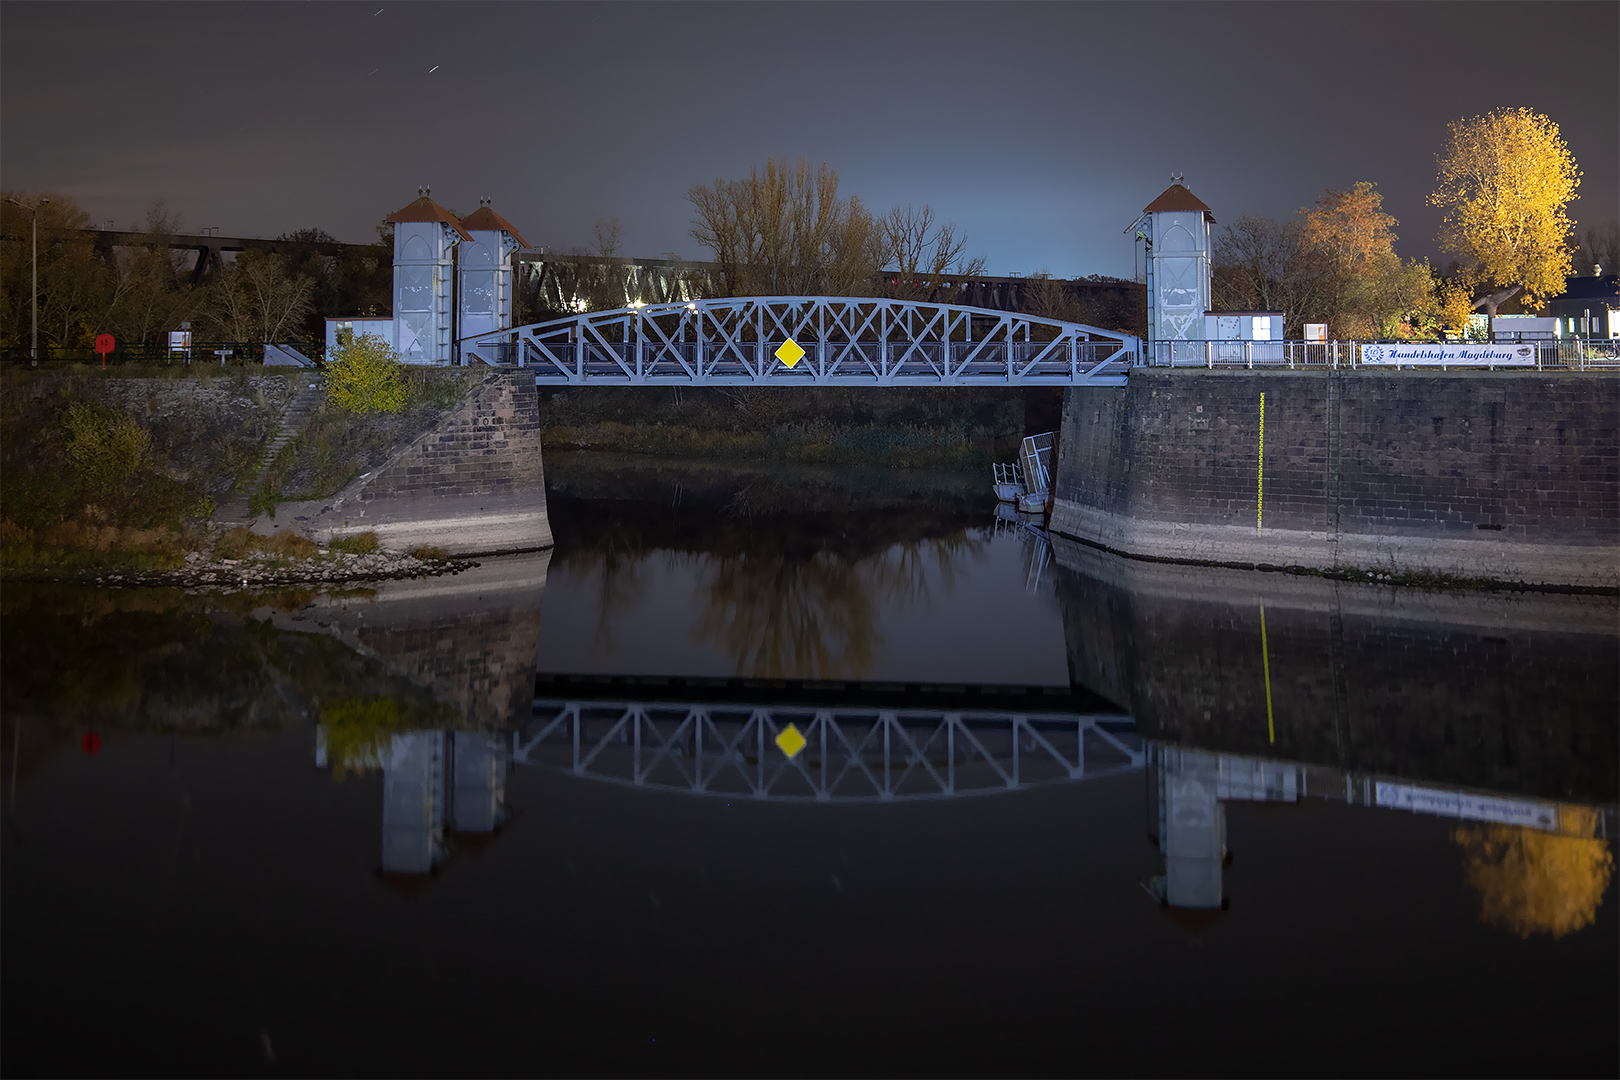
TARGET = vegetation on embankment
(337,445)
(121,469)
(98,468)
(908,428)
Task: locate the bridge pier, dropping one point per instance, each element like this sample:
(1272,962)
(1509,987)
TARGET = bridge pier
(1507,476)
(472,484)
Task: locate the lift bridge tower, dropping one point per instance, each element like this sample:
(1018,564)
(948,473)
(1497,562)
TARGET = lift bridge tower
(452,278)
(1176,227)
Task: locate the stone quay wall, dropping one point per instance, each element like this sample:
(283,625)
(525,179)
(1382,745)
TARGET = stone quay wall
(473,484)
(1509,476)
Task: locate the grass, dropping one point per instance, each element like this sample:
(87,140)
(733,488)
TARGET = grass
(429,553)
(285,544)
(359,544)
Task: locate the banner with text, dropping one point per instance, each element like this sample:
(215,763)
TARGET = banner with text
(1469,807)
(1472,354)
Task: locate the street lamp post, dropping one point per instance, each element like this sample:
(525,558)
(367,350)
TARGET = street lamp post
(33,269)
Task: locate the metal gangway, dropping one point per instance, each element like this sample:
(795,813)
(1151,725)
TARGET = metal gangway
(810,341)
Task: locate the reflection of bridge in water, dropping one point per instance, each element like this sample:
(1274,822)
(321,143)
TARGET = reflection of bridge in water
(857,752)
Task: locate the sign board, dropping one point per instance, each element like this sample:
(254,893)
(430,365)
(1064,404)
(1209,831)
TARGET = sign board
(105,344)
(1316,333)
(179,340)
(1469,807)
(1470,354)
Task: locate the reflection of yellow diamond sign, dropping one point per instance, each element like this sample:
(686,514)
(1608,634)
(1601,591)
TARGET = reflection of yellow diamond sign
(790,354)
(790,740)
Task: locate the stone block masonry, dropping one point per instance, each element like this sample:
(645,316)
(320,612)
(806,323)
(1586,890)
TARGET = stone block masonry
(1508,476)
(473,484)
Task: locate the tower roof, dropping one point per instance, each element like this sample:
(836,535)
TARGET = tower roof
(1176,197)
(425,209)
(487,219)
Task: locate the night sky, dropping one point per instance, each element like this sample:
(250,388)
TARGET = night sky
(1040,129)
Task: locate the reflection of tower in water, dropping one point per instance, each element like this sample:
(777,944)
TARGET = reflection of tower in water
(1189,820)
(431,780)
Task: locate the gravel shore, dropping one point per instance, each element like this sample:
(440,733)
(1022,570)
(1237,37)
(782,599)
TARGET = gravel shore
(260,571)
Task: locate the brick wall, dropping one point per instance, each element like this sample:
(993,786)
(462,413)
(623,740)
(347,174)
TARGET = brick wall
(489,444)
(1507,475)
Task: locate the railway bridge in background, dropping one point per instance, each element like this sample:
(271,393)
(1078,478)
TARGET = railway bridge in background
(810,341)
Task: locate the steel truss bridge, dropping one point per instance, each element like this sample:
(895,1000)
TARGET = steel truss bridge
(845,341)
(851,753)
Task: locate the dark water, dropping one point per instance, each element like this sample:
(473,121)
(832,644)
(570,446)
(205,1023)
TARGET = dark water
(1420,828)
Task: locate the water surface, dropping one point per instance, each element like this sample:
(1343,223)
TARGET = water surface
(198,896)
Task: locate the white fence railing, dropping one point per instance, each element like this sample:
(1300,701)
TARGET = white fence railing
(1568,354)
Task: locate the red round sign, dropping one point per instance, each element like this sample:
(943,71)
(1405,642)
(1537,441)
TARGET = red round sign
(91,743)
(105,344)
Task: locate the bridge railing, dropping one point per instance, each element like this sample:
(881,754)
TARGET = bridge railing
(1549,354)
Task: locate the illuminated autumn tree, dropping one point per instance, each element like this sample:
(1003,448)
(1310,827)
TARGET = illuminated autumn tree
(1348,271)
(1534,882)
(1505,179)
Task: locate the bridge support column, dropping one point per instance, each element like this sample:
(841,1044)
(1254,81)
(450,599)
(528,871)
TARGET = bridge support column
(472,484)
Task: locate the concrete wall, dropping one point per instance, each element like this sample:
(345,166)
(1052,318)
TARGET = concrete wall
(1507,475)
(1505,691)
(473,484)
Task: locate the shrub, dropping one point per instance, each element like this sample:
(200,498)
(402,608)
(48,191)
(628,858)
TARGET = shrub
(105,446)
(429,553)
(359,544)
(366,377)
(262,501)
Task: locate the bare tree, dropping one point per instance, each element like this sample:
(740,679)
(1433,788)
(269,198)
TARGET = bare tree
(924,251)
(1255,263)
(784,231)
(609,231)
(149,293)
(1598,248)
(255,299)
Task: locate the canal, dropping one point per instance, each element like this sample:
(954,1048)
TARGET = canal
(1055,811)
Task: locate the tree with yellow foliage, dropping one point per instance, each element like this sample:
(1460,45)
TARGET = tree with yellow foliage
(1505,180)
(1351,277)
(1534,882)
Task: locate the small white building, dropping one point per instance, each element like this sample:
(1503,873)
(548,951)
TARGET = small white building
(1243,326)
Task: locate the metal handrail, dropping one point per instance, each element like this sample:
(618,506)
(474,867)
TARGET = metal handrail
(1550,354)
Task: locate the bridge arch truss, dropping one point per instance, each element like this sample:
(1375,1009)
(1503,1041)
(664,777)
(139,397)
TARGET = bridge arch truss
(846,341)
(850,754)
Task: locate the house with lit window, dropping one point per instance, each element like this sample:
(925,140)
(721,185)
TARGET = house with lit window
(1589,307)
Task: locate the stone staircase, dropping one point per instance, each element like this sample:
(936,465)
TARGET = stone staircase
(288,425)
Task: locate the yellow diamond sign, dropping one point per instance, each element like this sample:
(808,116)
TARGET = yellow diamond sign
(790,740)
(790,354)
